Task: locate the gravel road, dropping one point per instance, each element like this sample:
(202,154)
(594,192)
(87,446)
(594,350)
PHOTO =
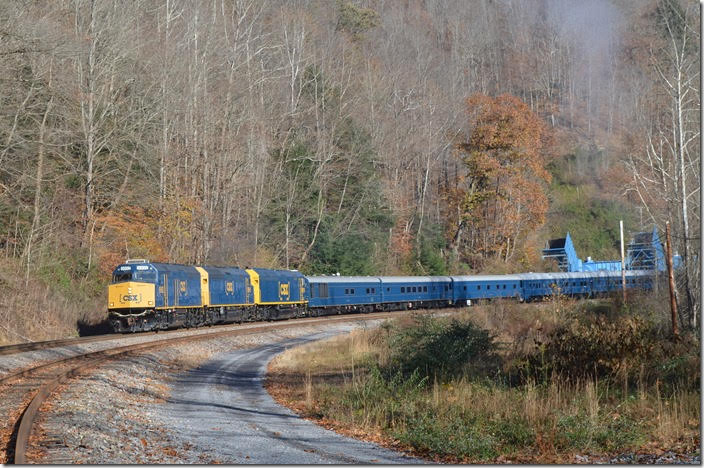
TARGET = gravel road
(194,403)
(222,408)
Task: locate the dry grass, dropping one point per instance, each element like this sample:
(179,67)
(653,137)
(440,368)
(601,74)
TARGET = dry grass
(340,353)
(33,311)
(332,382)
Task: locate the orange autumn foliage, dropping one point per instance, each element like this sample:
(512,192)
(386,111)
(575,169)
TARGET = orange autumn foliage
(129,232)
(502,194)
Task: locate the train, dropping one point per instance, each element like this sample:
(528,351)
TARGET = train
(148,296)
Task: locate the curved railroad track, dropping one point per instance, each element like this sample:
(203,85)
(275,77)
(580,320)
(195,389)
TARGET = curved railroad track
(36,384)
(40,345)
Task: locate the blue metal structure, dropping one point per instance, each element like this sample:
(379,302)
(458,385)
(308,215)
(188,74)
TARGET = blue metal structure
(644,252)
(562,250)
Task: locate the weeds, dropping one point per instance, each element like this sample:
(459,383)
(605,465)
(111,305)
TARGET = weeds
(540,383)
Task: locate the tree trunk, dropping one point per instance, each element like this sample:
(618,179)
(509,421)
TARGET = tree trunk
(37,189)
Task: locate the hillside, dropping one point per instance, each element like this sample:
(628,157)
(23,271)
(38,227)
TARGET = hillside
(359,137)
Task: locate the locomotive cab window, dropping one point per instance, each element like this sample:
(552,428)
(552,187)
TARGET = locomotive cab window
(122,276)
(148,276)
(144,276)
(403,290)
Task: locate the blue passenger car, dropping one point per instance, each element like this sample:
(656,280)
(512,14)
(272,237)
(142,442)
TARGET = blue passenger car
(344,291)
(421,290)
(468,288)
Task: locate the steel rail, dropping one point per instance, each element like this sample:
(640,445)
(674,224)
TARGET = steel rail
(39,345)
(28,417)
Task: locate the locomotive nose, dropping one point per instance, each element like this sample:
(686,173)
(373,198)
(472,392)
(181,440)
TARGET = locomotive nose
(131,295)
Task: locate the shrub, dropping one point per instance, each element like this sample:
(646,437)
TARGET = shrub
(595,347)
(443,349)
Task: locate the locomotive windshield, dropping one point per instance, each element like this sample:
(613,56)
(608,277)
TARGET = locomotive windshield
(121,276)
(143,276)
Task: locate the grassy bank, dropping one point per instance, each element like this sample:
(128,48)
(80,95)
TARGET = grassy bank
(504,382)
(48,305)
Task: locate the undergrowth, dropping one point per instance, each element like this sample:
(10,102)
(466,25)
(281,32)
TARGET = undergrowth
(537,382)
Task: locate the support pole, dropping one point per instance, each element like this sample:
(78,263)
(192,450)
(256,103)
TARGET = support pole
(670,273)
(623,265)
(657,267)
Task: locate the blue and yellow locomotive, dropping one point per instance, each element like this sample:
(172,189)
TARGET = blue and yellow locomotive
(155,296)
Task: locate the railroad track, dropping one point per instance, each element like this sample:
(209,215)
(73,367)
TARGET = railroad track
(40,345)
(38,383)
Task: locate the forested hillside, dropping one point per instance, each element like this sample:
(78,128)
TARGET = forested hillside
(359,137)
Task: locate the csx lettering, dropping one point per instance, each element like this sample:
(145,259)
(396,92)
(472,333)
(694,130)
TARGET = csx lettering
(130,298)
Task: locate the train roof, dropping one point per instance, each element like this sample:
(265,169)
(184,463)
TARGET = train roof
(343,279)
(414,279)
(583,274)
(486,278)
(145,265)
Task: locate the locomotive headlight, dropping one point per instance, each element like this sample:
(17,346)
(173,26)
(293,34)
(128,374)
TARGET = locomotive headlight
(112,304)
(150,302)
